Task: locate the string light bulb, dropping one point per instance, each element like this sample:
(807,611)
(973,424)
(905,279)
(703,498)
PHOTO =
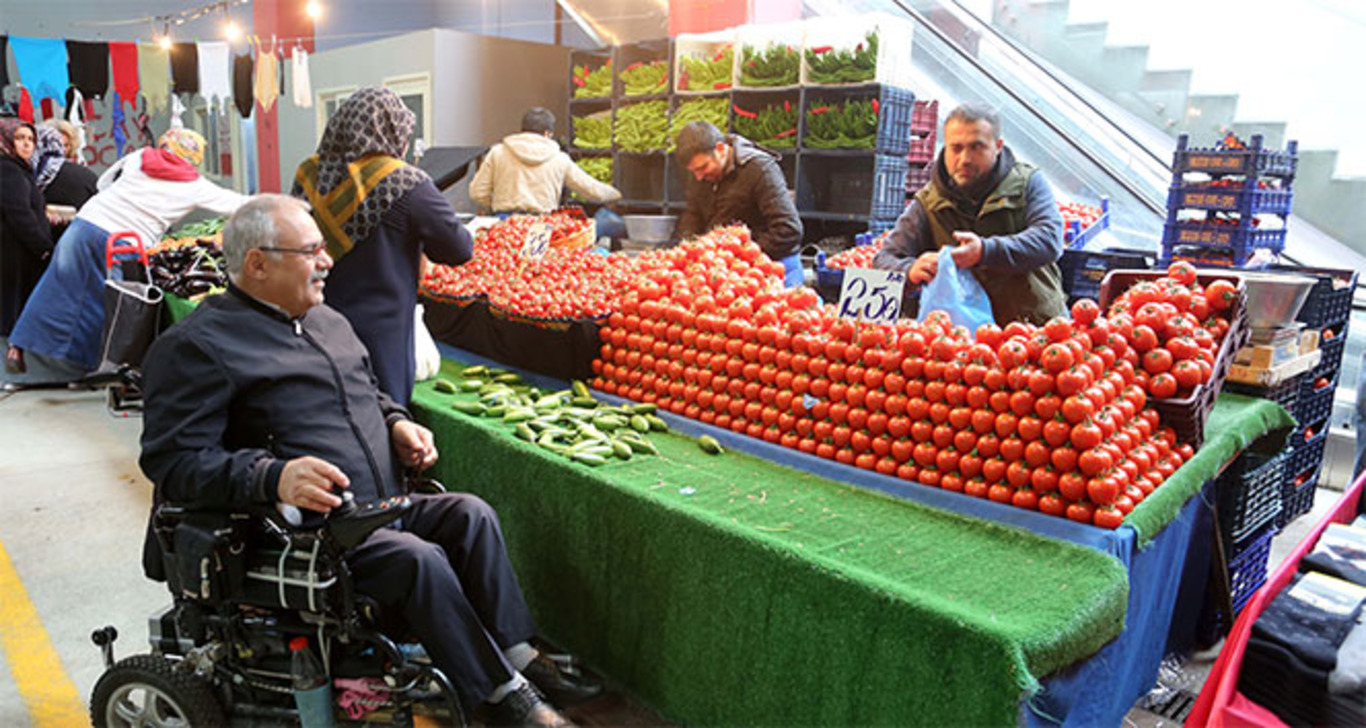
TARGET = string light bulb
(314,9)
(232,31)
(165,41)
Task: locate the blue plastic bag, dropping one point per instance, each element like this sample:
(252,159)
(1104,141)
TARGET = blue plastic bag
(957,292)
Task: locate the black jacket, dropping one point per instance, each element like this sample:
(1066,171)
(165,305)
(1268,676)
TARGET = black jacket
(753,192)
(236,389)
(25,239)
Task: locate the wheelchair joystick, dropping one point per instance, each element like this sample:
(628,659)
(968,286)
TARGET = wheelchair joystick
(349,524)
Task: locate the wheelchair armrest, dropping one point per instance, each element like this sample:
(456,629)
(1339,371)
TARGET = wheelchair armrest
(425,486)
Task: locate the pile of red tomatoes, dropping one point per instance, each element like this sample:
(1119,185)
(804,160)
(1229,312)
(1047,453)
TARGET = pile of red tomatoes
(859,256)
(1051,418)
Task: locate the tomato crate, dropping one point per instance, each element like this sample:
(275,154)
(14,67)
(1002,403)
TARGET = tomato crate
(1076,237)
(1329,302)
(1330,360)
(1245,200)
(1247,566)
(1084,270)
(1297,495)
(1240,240)
(1249,495)
(893,107)
(1251,161)
(1307,446)
(1187,415)
(1316,403)
(1285,394)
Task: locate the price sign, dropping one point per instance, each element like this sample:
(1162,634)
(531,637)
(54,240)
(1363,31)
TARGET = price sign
(537,241)
(872,295)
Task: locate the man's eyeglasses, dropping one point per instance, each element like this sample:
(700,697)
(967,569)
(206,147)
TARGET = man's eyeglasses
(312,251)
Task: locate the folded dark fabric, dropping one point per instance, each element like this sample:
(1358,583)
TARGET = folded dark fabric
(1311,617)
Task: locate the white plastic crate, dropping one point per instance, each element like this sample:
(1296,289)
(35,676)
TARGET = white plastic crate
(893,66)
(703,46)
(761,37)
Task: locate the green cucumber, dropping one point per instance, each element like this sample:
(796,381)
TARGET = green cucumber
(445,386)
(709,445)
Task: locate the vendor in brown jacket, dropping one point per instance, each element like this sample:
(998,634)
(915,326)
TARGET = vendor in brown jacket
(996,215)
(733,180)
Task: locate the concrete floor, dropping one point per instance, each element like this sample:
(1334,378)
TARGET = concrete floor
(74,506)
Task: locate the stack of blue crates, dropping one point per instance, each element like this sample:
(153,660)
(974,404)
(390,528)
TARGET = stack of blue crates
(1216,197)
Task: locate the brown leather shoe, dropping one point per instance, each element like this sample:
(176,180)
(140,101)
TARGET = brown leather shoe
(559,679)
(524,708)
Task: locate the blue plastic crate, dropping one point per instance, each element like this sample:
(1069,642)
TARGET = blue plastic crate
(1297,500)
(1247,566)
(889,194)
(1249,495)
(1330,356)
(1236,237)
(1254,160)
(1083,270)
(1285,394)
(896,109)
(1316,403)
(1246,201)
(1076,238)
(1307,454)
(1329,302)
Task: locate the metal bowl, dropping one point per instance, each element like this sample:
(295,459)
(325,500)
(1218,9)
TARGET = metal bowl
(1274,300)
(650,228)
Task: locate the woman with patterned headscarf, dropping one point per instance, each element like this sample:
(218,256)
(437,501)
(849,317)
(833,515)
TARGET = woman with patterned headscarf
(62,181)
(379,216)
(145,192)
(25,239)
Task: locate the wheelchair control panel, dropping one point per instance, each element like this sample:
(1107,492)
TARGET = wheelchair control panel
(349,524)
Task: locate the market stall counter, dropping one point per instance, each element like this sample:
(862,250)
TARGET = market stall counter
(744,590)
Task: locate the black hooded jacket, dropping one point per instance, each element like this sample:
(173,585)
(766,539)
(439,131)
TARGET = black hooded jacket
(754,192)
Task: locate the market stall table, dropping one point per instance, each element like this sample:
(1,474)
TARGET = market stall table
(741,590)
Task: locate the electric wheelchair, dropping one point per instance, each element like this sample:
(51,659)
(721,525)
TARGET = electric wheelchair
(244,586)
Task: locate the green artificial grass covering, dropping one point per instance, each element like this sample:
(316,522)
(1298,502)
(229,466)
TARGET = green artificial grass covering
(1234,423)
(726,590)
(177,308)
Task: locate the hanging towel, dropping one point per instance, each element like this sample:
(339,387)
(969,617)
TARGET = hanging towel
(214,83)
(41,63)
(4,64)
(25,105)
(154,75)
(303,87)
(267,79)
(123,59)
(89,67)
(185,68)
(48,107)
(241,83)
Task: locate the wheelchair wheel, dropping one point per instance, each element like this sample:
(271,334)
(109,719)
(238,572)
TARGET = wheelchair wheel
(145,690)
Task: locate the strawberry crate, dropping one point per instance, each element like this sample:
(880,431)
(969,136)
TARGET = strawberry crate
(1187,415)
(1255,160)
(1297,495)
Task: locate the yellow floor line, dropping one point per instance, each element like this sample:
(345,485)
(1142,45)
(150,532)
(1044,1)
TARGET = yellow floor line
(50,695)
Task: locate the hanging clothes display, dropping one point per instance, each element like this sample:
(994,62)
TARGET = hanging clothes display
(303,87)
(184,68)
(267,78)
(25,105)
(75,115)
(123,59)
(215,85)
(116,128)
(41,63)
(154,75)
(4,65)
(89,67)
(242,70)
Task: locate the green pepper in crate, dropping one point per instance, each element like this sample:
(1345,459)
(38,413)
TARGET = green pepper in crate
(642,127)
(715,110)
(707,74)
(772,126)
(644,79)
(825,64)
(600,168)
(593,131)
(775,66)
(852,125)
(592,84)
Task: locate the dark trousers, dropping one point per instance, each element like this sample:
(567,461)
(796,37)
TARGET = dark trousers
(448,576)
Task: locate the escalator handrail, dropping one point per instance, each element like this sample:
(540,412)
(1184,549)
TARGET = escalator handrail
(1158,208)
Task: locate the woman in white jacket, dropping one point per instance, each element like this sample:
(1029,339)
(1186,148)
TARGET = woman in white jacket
(145,192)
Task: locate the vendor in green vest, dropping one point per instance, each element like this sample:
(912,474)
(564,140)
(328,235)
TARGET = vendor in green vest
(996,214)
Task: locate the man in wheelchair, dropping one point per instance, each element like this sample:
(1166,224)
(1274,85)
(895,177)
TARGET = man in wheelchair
(263,400)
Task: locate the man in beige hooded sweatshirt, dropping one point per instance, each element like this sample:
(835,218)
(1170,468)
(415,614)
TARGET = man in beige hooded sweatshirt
(526,172)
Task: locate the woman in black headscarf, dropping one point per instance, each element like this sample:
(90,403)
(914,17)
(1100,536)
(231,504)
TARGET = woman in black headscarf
(25,237)
(61,180)
(379,216)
